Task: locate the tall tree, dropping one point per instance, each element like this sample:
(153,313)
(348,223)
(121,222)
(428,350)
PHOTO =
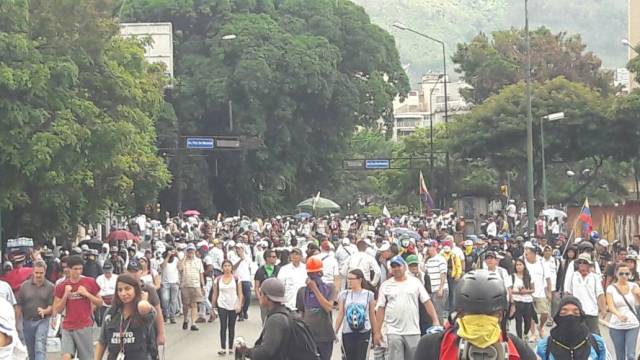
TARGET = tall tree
(488,63)
(77,109)
(300,76)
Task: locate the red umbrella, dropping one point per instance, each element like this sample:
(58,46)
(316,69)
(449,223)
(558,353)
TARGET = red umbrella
(121,235)
(192,213)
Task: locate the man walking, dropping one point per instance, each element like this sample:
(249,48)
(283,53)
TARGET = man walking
(76,295)
(192,285)
(397,308)
(34,305)
(266,271)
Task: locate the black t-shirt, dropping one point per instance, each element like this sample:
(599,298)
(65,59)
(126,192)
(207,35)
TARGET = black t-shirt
(429,348)
(136,341)
(261,274)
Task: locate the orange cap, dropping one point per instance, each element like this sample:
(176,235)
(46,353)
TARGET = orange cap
(314,264)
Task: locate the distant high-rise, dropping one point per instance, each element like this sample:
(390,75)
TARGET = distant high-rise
(633,24)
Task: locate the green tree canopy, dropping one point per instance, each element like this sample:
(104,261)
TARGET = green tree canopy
(77,109)
(488,63)
(300,75)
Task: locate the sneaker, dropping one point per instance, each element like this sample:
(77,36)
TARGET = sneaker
(240,318)
(185,325)
(222,352)
(173,321)
(200,321)
(194,328)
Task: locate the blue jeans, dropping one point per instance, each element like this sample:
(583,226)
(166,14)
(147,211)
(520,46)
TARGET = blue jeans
(246,294)
(35,337)
(169,294)
(624,342)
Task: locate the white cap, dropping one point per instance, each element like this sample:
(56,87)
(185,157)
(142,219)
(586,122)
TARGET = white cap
(346,241)
(468,243)
(578,240)
(603,242)
(385,246)
(231,243)
(529,245)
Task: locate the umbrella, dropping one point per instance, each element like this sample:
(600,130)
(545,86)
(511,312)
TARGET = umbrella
(318,204)
(121,235)
(302,216)
(192,213)
(554,213)
(400,231)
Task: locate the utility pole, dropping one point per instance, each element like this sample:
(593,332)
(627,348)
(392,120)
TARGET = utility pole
(530,196)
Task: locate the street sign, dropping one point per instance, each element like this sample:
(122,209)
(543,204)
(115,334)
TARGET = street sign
(353,164)
(201,143)
(378,164)
(230,142)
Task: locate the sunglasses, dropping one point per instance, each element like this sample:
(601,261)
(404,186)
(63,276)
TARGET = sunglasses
(624,273)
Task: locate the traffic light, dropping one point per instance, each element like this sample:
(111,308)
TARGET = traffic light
(504,190)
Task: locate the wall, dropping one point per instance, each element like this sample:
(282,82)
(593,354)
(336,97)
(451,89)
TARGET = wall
(613,222)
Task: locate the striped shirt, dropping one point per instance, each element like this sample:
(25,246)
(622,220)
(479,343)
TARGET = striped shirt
(191,270)
(435,266)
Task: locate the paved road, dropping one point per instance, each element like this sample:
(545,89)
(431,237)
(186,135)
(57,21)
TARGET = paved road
(204,344)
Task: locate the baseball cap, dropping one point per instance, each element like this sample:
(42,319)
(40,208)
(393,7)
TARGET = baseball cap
(273,289)
(584,257)
(397,260)
(191,247)
(492,254)
(412,259)
(346,241)
(529,245)
(134,265)
(603,243)
(385,246)
(107,266)
(468,243)
(296,251)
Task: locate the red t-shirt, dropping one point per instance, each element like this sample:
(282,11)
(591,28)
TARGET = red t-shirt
(78,307)
(16,277)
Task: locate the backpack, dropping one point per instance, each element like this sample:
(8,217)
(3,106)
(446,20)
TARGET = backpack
(592,341)
(301,342)
(355,315)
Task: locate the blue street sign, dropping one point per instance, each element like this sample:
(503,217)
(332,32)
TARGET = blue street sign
(203,143)
(377,164)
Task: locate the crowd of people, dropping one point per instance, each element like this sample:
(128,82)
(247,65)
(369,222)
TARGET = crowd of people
(409,287)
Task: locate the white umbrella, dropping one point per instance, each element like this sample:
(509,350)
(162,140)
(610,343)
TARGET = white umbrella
(554,213)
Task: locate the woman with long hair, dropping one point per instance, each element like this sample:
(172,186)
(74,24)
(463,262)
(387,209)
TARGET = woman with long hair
(522,290)
(356,316)
(131,318)
(622,298)
(149,275)
(227,297)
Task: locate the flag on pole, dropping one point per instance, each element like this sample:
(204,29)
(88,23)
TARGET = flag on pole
(585,218)
(315,201)
(386,212)
(425,197)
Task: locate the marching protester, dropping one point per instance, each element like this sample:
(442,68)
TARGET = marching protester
(107,284)
(35,306)
(76,296)
(622,299)
(294,276)
(191,286)
(571,338)
(480,303)
(356,316)
(227,298)
(397,310)
(521,293)
(587,288)
(128,331)
(266,271)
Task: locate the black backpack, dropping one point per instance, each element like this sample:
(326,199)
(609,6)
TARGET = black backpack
(301,345)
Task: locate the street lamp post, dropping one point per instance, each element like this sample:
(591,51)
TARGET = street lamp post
(404,27)
(530,197)
(431,114)
(550,117)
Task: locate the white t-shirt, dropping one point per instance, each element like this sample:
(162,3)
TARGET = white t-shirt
(330,268)
(401,301)
(551,268)
(517,285)
(621,305)
(170,273)
(6,292)
(293,278)
(538,277)
(107,286)
(586,289)
(243,271)
(503,274)
(227,293)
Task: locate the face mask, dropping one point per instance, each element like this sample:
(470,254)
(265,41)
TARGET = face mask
(480,330)
(568,322)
